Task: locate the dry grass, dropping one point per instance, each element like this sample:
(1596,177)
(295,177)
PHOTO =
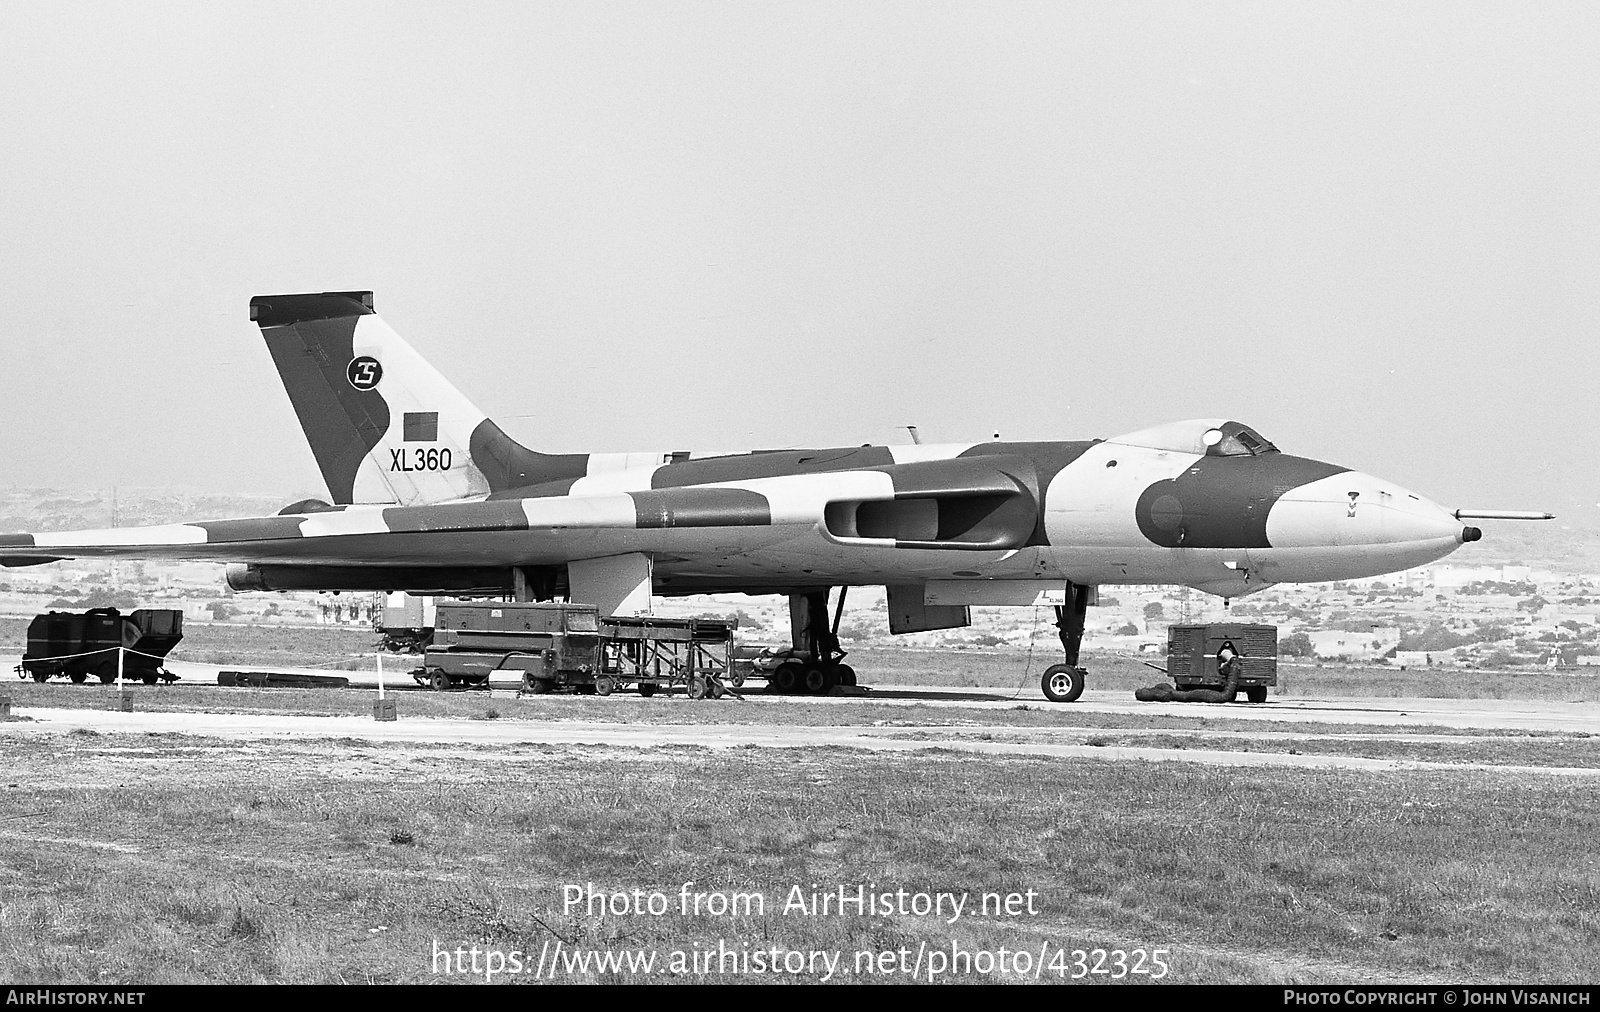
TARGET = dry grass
(1011,670)
(672,708)
(221,862)
(1545,750)
(1300,680)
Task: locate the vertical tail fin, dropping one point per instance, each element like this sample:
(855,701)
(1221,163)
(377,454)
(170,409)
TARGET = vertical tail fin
(383,424)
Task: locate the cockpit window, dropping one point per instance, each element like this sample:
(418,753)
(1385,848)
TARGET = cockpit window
(1235,440)
(1214,437)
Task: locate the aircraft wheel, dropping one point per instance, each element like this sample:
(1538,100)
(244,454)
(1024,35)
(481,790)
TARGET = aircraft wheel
(818,680)
(438,681)
(148,679)
(41,676)
(847,675)
(1062,683)
(647,689)
(78,677)
(106,672)
(786,677)
(1255,693)
(605,685)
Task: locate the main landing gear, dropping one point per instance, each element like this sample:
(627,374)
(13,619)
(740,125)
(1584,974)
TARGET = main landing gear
(813,666)
(1063,683)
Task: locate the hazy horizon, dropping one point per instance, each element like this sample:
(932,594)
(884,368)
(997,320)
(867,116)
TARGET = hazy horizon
(1368,230)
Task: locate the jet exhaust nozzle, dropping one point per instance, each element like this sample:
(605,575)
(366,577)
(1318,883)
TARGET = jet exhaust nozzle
(244,577)
(1470,534)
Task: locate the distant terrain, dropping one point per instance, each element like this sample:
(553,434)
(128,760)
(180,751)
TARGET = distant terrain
(49,509)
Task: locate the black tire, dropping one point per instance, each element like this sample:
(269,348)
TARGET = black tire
(1062,683)
(106,672)
(438,681)
(1255,693)
(698,689)
(605,685)
(847,675)
(79,677)
(818,680)
(41,676)
(786,677)
(148,679)
(647,689)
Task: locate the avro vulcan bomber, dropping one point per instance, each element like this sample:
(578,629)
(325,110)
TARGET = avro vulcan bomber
(428,495)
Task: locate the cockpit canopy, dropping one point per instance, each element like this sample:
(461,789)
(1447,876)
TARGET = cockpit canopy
(1213,437)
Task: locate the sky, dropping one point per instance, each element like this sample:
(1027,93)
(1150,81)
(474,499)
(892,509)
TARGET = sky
(1371,231)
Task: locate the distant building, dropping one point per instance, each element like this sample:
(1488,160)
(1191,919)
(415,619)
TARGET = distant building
(1454,577)
(1414,579)
(1422,658)
(1337,644)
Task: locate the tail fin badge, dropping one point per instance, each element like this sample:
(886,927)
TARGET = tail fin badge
(364,372)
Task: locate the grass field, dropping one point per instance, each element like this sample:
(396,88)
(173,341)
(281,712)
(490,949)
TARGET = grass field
(173,859)
(675,708)
(169,858)
(1014,669)
(1506,749)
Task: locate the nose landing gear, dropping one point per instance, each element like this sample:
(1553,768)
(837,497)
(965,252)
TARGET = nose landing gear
(1063,683)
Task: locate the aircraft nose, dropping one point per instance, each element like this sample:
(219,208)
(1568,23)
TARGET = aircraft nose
(1353,508)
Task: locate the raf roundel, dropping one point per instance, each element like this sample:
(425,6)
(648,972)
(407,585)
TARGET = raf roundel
(364,372)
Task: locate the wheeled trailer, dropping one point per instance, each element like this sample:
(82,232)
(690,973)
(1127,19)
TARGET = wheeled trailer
(570,647)
(1196,653)
(81,644)
(652,653)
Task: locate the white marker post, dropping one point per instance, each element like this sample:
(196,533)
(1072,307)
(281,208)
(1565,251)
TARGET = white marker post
(124,698)
(383,709)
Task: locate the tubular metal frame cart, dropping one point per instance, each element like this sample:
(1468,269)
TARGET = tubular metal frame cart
(569,647)
(651,653)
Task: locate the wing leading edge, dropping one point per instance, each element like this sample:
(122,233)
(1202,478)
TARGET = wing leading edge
(928,505)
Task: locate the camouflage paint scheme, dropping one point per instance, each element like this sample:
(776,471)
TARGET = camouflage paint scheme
(429,491)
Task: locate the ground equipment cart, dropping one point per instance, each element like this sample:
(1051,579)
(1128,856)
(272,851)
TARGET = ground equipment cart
(570,647)
(80,644)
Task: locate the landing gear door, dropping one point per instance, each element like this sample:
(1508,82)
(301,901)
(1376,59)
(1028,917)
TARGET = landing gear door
(909,613)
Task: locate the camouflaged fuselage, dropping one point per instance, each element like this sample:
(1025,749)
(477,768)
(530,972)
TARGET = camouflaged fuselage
(422,482)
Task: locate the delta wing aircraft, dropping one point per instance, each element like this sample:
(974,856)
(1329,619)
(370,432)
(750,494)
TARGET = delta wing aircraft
(429,495)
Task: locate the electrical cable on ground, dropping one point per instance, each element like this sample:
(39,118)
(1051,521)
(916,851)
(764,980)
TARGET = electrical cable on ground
(1027,669)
